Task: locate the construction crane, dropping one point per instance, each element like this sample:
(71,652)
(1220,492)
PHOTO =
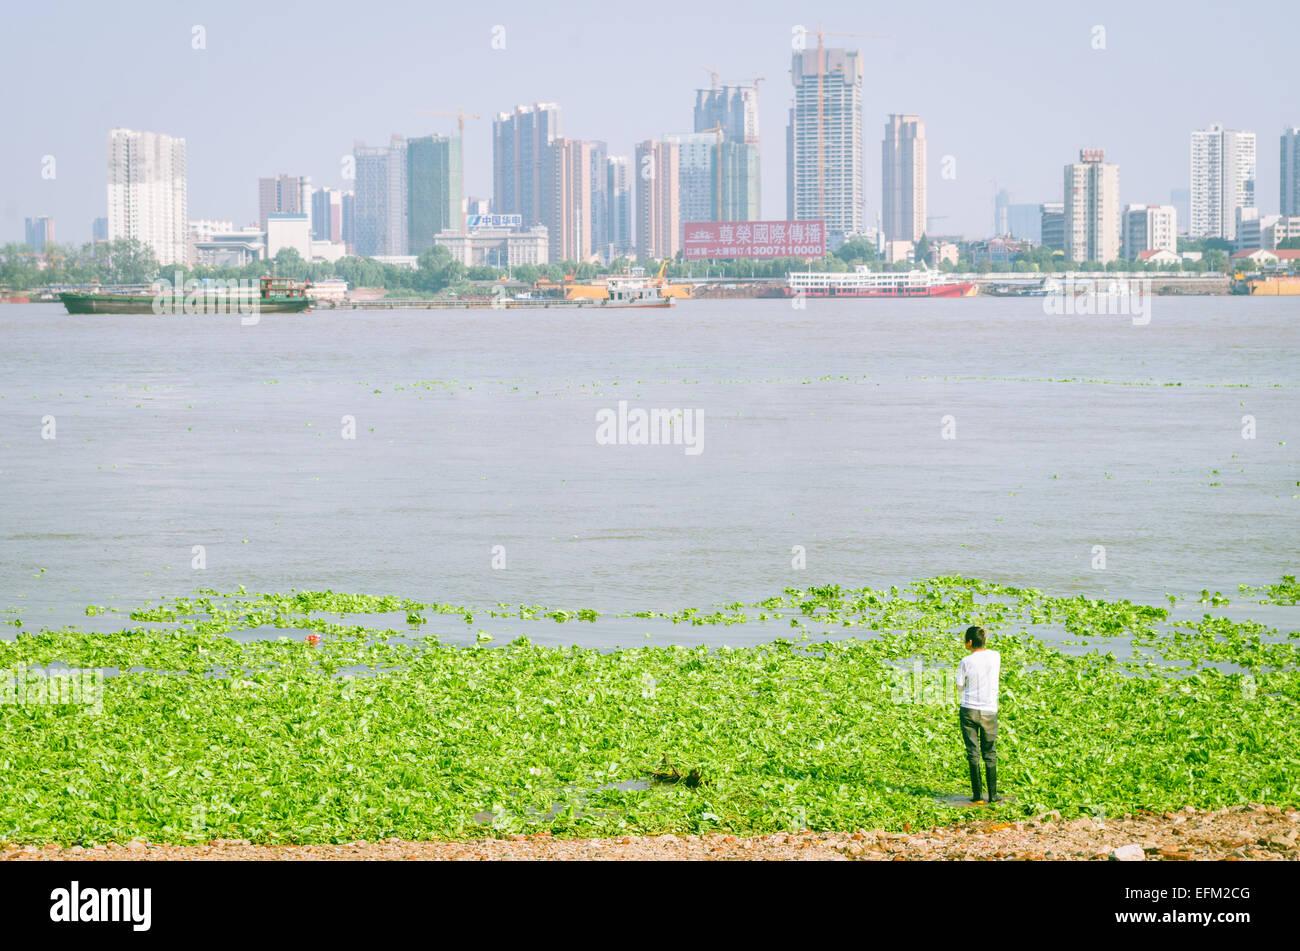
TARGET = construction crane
(717,162)
(821,102)
(713,76)
(461,115)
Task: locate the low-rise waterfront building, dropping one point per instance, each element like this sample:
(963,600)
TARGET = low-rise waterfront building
(1263,257)
(941,252)
(497,247)
(230,248)
(899,250)
(285,230)
(1161,256)
(1278,228)
(329,289)
(409,261)
(999,250)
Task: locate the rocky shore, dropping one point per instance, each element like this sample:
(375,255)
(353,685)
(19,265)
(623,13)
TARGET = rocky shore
(1240,833)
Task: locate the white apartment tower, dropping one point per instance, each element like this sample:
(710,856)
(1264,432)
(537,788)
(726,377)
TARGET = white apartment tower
(1092,226)
(824,141)
(1223,180)
(902,178)
(147,193)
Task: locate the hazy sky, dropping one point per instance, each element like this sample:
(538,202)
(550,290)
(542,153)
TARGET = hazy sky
(1011,90)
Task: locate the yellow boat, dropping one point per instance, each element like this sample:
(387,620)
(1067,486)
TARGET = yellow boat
(1277,286)
(599,289)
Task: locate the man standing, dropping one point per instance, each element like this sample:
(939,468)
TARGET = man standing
(977,675)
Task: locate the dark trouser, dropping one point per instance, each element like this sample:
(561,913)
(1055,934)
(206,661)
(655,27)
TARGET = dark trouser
(979,730)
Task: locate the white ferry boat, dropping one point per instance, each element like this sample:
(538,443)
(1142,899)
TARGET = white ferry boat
(863,282)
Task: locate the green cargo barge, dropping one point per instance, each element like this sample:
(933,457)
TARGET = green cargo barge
(273,296)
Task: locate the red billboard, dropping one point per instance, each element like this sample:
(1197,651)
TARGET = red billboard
(753,239)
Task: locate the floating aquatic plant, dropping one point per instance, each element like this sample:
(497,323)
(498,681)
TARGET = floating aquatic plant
(376,729)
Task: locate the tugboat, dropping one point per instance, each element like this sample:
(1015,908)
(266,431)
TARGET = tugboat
(598,288)
(274,295)
(634,292)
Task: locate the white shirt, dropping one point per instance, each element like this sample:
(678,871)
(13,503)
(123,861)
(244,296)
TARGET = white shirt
(977,675)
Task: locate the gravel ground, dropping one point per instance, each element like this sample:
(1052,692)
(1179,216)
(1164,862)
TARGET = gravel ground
(1239,833)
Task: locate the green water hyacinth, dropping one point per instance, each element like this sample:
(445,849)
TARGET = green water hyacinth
(380,729)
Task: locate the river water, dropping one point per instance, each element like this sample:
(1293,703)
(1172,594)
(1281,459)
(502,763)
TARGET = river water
(821,427)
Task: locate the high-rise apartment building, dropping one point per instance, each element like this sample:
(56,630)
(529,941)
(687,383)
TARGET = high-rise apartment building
(697,175)
(1150,228)
(1052,229)
(1025,221)
(566,199)
(380,199)
(282,194)
(734,108)
(902,179)
(658,213)
(434,190)
(349,220)
(1092,220)
(1223,180)
(1002,213)
(1181,199)
(1289,197)
(790,176)
(99,229)
(147,192)
(824,141)
(519,143)
(741,182)
(39,233)
(327,215)
(619,177)
(599,183)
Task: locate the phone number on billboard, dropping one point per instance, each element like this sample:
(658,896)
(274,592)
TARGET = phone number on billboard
(800,250)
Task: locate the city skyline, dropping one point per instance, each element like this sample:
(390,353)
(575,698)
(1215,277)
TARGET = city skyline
(641,96)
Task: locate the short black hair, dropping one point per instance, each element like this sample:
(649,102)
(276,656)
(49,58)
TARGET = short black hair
(975,635)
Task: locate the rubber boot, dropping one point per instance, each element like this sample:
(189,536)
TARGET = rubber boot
(976,795)
(992,772)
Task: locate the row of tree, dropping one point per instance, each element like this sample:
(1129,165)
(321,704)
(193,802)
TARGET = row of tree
(126,261)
